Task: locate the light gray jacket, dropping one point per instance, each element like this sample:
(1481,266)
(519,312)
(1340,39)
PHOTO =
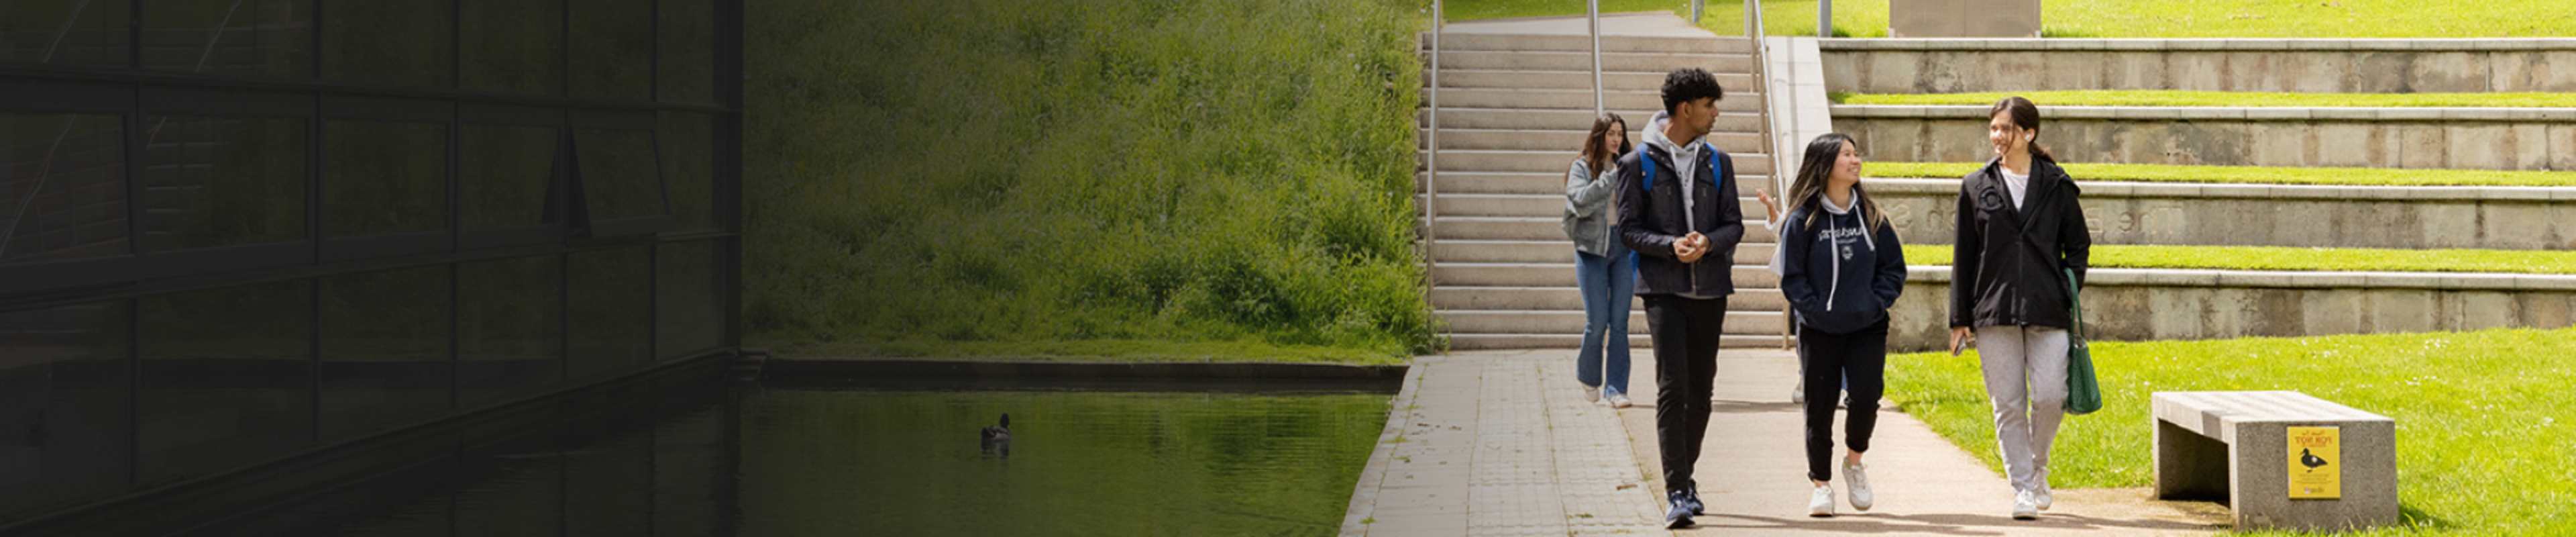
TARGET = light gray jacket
(1588,209)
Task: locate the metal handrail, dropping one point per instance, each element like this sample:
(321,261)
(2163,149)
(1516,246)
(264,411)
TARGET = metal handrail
(1431,174)
(1770,142)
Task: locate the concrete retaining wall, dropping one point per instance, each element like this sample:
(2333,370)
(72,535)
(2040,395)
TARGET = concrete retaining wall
(2302,65)
(2456,138)
(2147,304)
(2498,218)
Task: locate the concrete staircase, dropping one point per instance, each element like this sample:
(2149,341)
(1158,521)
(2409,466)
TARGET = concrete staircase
(1513,111)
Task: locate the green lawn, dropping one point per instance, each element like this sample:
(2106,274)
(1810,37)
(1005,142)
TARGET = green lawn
(984,176)
(2222,98)
(2301,259)
(2125,18)
(2276,175)
(1094,350)
(2482,419)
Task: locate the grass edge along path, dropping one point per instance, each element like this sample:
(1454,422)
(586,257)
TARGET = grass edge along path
(1098,350)
(2288,258)
(2274,175)
(2481,420)
(2257,99)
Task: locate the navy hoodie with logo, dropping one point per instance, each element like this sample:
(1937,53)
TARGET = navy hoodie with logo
(1839,276)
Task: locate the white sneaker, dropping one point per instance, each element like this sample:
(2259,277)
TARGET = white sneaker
(1856,482)
(1821,504)
(2025,506)
(1619,400)
(1591,393)
(2043,498)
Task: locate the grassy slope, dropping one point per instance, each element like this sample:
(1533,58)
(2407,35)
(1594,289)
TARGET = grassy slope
(1148,176)
(2481,419)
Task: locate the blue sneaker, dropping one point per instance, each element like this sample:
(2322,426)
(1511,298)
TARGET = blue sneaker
(1690,498)
(1679,515)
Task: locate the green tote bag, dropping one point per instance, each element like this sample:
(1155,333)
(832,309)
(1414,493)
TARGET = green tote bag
(2083,392)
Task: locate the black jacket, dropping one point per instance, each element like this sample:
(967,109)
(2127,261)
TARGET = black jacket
(1649,222)
(2005,266)
(1839,275)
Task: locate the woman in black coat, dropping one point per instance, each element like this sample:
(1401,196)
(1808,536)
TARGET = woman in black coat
(2021,235)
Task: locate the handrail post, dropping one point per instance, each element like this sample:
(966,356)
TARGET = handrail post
(1753,19)
(1695,4)
(1824,18)
(1595,11)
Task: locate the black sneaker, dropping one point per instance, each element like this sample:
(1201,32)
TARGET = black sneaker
(1679,515)
(1690,498)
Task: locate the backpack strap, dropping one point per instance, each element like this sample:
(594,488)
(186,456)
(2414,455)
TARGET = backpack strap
(1649,161)
(1727,173)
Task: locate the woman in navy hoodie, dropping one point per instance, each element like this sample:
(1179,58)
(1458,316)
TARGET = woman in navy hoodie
(1841,269)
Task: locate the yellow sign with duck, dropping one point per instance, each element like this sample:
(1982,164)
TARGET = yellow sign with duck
(2316,469)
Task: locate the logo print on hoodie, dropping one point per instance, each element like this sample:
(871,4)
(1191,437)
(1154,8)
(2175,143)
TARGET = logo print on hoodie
(1842,239)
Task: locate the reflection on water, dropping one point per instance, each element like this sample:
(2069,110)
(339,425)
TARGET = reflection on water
(658,467)
(793,462)
(1081,463)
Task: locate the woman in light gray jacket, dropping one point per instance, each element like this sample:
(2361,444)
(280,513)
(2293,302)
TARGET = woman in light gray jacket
(1603,267)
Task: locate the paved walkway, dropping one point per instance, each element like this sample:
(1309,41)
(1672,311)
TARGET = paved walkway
(1752,472)
(1479,444)
(1502,443)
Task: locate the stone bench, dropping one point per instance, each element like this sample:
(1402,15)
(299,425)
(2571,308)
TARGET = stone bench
(2234,447)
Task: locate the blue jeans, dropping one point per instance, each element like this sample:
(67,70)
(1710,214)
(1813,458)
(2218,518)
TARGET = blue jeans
(1607,283)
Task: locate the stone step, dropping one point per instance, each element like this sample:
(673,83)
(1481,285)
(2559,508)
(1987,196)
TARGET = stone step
(1495,204)
(1550,182)
(1542,228)
(1638,340)
(1547,119)
(1568,142)
(1738,85)
(1750,323)
(1570,298)
(1512,160)
(1746,277)
(1552,251)
(1571,99)
(1583,43)
(1551,60)
(1532,205)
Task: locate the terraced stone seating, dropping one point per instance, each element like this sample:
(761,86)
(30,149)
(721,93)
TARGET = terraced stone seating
(2169,304)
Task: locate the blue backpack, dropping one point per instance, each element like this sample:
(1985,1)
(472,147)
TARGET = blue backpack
(1650,167)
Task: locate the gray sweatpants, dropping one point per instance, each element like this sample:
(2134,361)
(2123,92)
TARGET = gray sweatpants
(2026,381)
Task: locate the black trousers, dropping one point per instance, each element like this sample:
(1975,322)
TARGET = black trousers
(1686,332)
(1830,360)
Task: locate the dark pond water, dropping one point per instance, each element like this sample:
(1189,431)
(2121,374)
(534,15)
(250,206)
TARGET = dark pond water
(760,462)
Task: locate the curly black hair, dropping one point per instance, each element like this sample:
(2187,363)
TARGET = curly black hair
(1685,85)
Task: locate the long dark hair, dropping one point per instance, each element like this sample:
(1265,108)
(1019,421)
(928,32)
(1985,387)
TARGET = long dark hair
(1596,153)
(1808,191)
(2024,115)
